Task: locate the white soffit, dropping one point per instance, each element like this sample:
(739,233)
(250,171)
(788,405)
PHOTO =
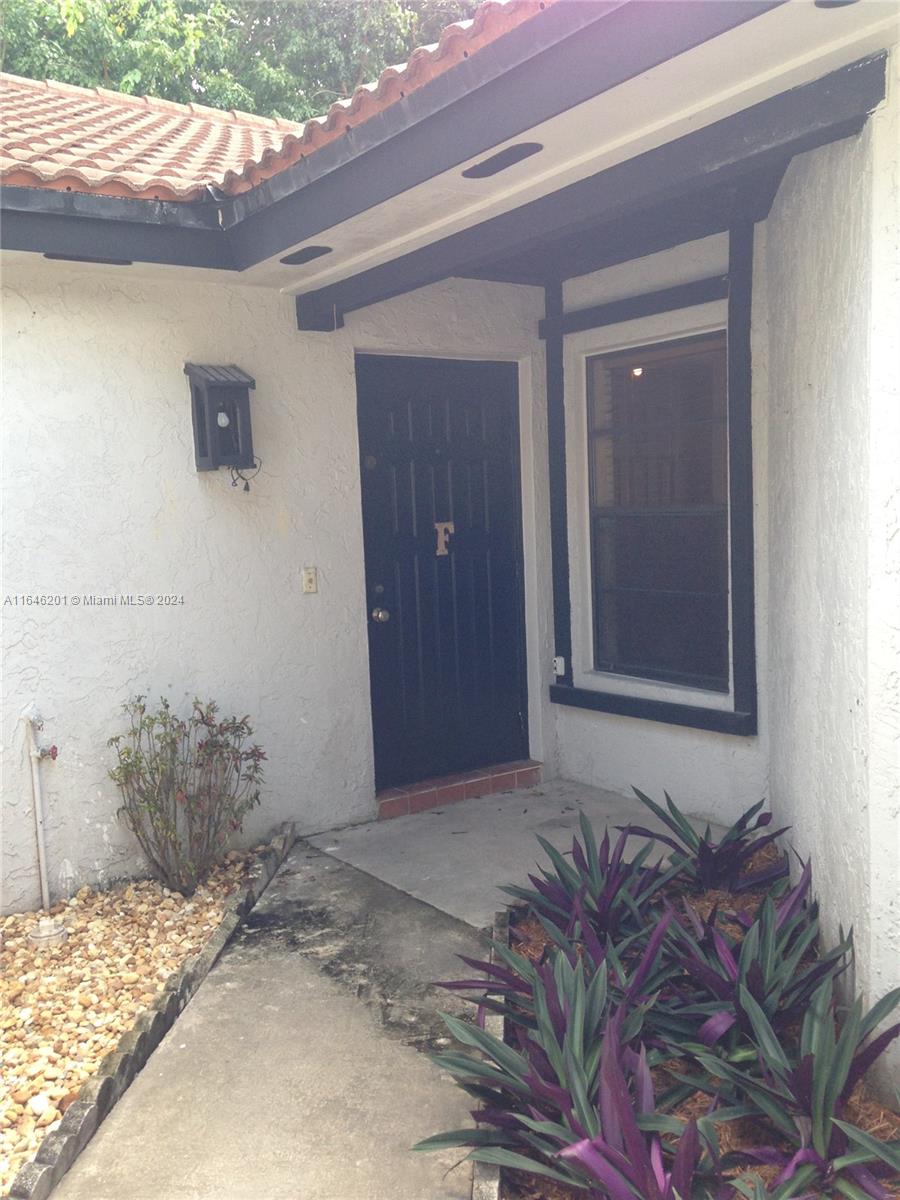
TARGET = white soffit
(793,44)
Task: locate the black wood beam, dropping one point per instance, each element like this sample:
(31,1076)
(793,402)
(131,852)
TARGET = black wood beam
(699,291)
(644,230)
(559,517)
(743,724)
(740,466)
(758,139)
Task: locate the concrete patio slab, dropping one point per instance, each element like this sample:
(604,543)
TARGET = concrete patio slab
(455,857)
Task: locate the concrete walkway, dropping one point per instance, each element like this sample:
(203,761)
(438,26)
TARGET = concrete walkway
(287,1076)
(293,1074)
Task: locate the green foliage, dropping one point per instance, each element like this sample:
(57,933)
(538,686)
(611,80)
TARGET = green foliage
(599,893)
(708,864)
(777,962)
(802,1087)
(278,58)
(186,785)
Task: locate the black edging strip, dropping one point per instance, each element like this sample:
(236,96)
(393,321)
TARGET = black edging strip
(742,720)
(99,1094)
(563,56)
(486,1176)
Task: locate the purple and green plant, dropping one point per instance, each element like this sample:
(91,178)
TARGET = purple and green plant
(576,1104)
(543,1094)
(625,1154)
(777,963)
(803,1091)
(598,893)
(707,864)
(635,969)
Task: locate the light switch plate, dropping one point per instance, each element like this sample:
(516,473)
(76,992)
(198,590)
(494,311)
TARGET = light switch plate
(309,580)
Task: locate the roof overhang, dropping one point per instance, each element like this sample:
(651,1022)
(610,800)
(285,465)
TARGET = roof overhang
(645,138)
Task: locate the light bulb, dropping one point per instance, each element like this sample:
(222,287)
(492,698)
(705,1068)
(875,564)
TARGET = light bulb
(637,372)
(222,419)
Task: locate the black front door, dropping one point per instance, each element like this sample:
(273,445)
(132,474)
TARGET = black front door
(439,454)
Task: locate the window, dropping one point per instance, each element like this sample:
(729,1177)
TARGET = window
(658,486)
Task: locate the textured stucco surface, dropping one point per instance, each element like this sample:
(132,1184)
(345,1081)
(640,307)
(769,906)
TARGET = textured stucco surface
(101,497)
(834,534)
(883,650)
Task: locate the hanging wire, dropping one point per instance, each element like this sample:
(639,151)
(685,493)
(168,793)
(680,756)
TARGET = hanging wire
(237,474)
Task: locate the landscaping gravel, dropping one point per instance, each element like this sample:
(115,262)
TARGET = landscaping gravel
(64,1007)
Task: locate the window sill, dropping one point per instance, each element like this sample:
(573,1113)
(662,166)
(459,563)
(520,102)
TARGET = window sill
(642,686)
(742,724)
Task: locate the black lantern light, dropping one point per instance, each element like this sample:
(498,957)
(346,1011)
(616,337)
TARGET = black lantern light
(220,407)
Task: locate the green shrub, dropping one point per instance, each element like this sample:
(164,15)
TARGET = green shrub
(187,784)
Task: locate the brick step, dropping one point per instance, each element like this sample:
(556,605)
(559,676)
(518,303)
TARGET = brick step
(450,789)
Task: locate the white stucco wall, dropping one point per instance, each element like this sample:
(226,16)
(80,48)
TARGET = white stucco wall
(101,496)
(834,598)
(713,775)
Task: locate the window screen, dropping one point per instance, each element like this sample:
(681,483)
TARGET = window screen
(658,462)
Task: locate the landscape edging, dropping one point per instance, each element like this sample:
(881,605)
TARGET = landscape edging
(99,1094)
(485,1176)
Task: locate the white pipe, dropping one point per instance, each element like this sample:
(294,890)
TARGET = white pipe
(31,719)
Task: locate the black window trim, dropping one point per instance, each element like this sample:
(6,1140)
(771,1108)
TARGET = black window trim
(741,719)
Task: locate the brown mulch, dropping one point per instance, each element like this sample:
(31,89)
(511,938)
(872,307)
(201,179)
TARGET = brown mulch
(64,1007)
(528,937)
(728,903)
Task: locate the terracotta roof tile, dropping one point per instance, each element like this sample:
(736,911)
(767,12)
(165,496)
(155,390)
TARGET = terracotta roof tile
(66,138)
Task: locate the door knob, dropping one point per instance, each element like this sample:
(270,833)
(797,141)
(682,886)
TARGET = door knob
(380,614)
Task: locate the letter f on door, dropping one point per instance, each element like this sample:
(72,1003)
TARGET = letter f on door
(443,529)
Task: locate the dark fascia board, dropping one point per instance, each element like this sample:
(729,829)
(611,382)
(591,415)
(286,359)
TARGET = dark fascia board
(757,139)
(81,225)
(561,57)
(511,51)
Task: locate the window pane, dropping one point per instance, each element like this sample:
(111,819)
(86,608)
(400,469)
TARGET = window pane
(680,552)
(658,467)
(665,636)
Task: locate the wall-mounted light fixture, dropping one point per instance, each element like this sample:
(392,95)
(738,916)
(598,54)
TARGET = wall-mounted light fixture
(220,408)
